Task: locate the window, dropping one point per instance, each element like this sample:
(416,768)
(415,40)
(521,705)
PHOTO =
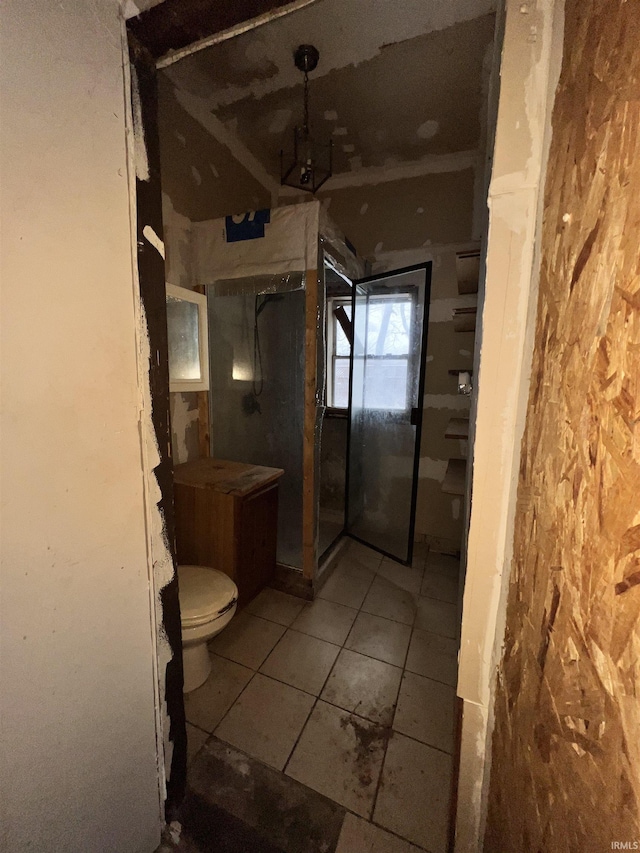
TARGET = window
(386,320)
(338,353)
(388,337)
(187,338)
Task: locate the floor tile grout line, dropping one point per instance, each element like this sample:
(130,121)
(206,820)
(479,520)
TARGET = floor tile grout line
(355,651)
(317,698)
(233,704)
(430,678)
(297,740)
(200,729)
(430,746)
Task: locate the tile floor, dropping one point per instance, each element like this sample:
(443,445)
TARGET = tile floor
(352,695)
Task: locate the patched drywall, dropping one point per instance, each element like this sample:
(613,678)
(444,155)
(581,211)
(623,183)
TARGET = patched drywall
(201,180)
(421,96)
(184,406)
(405,92)
(199,174)
(80,767)
(435,208)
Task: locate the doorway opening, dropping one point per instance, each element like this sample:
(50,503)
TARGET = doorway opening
(338,377)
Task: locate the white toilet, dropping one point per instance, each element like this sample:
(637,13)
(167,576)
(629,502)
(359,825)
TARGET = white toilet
(208,601)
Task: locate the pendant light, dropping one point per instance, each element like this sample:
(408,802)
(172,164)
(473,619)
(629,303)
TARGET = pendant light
(311,162)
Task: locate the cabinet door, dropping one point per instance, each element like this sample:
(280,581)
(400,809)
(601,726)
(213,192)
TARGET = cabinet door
(258,524)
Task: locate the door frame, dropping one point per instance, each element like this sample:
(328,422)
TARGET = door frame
(427,266)
(154,39)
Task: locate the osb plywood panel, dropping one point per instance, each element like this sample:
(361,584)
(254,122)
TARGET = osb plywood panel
(566,750)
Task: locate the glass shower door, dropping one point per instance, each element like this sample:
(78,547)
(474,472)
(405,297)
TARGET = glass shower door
(390,318)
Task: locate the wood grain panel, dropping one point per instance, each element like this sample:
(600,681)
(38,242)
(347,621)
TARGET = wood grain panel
(565,773)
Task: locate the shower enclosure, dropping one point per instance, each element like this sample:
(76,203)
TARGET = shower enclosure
(269,277)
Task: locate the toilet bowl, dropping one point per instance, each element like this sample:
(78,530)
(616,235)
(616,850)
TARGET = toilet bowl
(208,601)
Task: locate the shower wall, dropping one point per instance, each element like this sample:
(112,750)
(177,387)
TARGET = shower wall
(257,363)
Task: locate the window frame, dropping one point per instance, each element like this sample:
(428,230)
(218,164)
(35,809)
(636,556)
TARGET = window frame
(334,302)
(199,299)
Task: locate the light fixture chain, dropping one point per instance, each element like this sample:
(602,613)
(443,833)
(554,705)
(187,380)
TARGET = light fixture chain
(306,103)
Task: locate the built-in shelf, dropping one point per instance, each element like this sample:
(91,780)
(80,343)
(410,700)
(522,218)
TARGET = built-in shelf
(468,271)
(454,479)
(464,319)
(457,428)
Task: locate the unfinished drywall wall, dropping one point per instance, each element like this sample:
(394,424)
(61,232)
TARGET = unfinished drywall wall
(201,180)
(199,174)
(80,768)
(398,223)
(184,406)
(439,516)
(565,773)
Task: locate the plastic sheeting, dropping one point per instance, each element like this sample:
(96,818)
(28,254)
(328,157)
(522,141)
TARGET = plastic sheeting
(257,391)
(269,243)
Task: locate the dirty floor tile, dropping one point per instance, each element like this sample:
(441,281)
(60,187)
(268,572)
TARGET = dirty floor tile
(247,640)
(420,552)
(351,568)
(379,638)
(433,656)
(301,661)
(363,554)
(326,620)
(266,720)
(276,606)
(414,795)
(363,686)
(345,589)
(426,711)
(360,836)
(386,599)
(195,739)
(340,755)
(435,585)
(403,577)
(439,617)
(256,807)
(207,705)
(444,564)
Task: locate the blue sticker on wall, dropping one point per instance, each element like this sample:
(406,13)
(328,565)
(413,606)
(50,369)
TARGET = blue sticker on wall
(247,226)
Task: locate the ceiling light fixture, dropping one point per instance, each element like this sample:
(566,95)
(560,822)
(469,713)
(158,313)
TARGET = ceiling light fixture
(311,163)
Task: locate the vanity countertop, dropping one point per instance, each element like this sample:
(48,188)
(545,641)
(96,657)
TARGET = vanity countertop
(220,475)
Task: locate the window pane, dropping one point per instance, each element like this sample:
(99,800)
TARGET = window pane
(184,341)
(340,383)
(342,344)
(386,383)
(388,327)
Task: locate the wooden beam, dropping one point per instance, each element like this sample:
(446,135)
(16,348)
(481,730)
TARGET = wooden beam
(309,508)
(175,24)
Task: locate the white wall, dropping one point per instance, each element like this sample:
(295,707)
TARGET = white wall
(79,765)
(531,58)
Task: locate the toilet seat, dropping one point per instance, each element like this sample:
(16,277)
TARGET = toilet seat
(205,594)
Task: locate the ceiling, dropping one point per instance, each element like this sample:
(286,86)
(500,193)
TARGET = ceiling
(397,83)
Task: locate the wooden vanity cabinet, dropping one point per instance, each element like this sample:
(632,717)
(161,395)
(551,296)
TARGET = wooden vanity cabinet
(227,518)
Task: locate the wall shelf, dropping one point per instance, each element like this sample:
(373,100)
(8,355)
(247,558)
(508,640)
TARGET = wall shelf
(455,477)
(457,428)
(464,319)
(468,271)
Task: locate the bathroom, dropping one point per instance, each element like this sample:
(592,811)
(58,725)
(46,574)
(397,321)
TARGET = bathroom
(334,612)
